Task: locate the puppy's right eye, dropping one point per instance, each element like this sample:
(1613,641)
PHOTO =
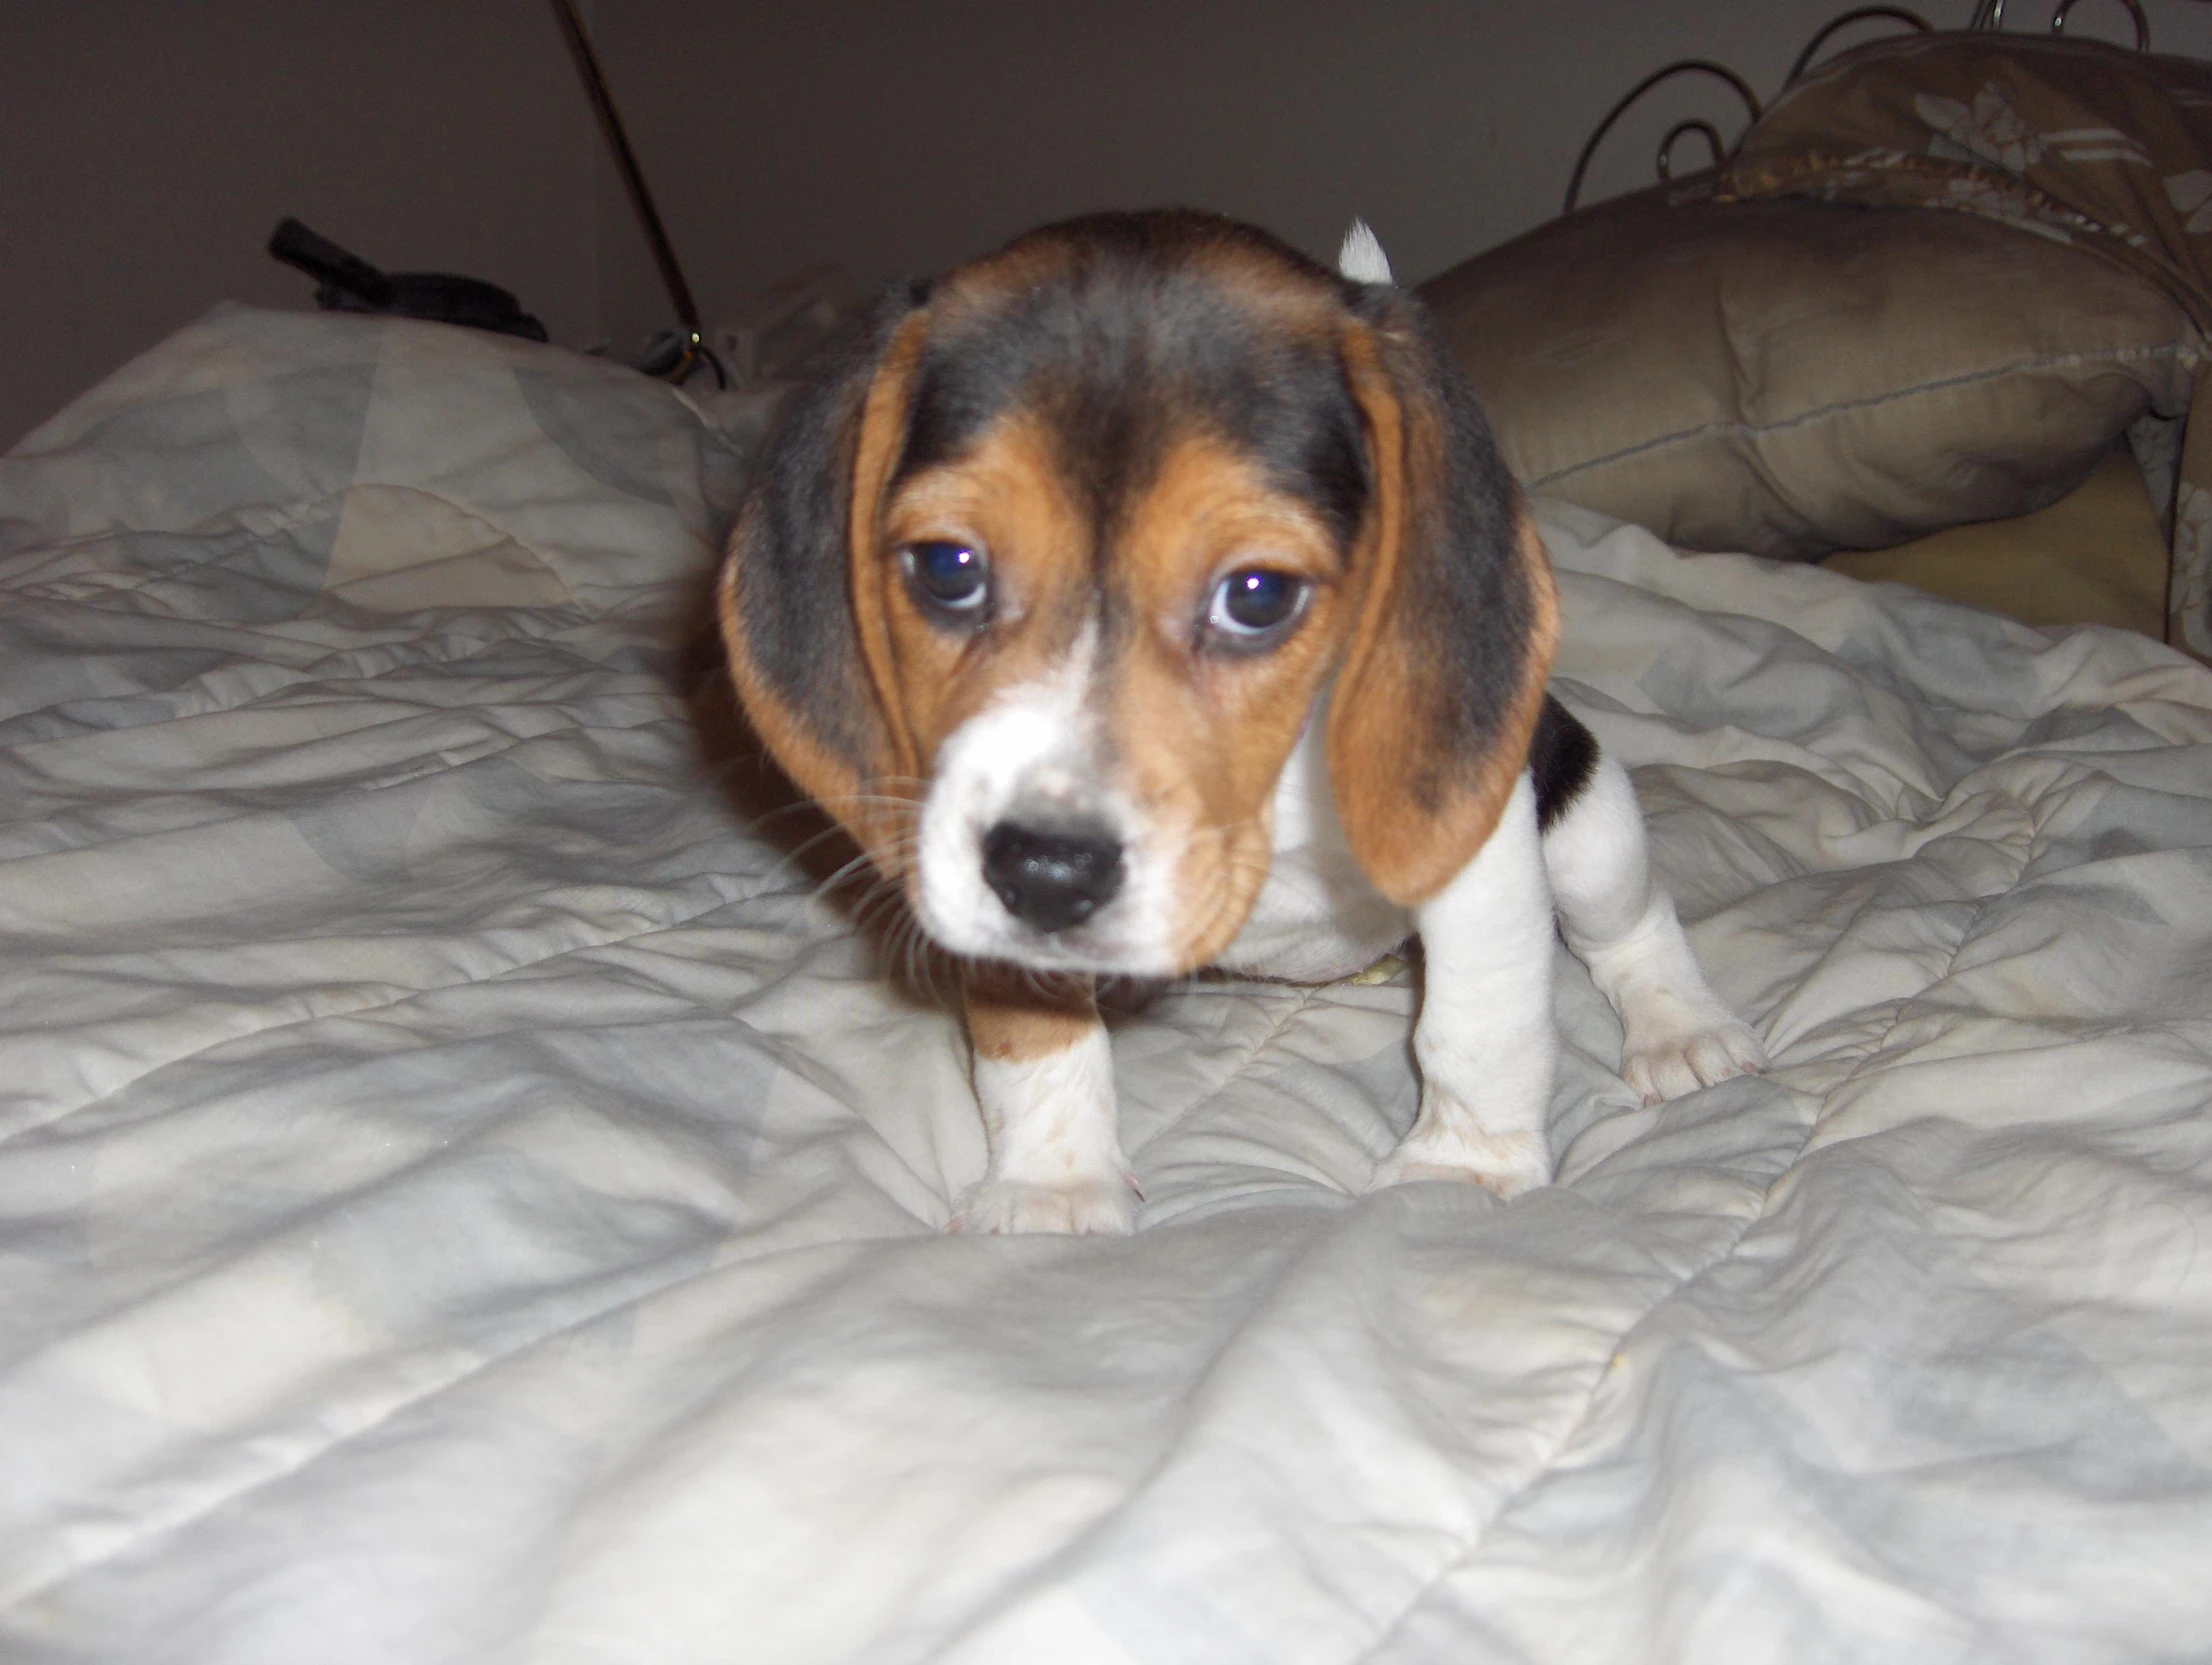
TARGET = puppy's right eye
(948,577)
(1255,608)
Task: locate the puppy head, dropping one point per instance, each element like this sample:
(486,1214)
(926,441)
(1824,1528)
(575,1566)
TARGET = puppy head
(1039,586)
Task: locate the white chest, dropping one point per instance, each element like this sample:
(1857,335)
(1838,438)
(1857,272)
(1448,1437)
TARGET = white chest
(1317,918)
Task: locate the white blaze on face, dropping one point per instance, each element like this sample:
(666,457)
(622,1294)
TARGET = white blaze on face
(1037,747)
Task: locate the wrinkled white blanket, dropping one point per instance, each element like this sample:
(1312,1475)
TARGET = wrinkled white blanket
(463,1199)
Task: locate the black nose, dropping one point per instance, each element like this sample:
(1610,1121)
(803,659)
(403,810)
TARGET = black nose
(1051,879)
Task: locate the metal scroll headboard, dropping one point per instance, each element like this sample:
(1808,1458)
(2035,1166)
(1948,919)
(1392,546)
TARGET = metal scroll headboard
(1665,160)
(1989,14)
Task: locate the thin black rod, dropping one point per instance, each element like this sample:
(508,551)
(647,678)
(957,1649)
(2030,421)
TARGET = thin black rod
(625,163)
(2142,23)
(1858,14)
(1664,163)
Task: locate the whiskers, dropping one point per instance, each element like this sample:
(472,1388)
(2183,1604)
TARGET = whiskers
(836,815)
(1217,868)
(869,885)
(1233,880)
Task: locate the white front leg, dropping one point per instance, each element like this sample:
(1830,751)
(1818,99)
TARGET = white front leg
(1485,1041)
(1678,1035)
(1044,1079)
(1055,1162)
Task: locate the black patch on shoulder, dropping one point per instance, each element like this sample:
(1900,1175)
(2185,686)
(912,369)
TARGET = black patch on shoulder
(1561,758)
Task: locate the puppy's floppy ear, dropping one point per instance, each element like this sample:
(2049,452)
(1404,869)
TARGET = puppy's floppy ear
(802,660)
(1456,615)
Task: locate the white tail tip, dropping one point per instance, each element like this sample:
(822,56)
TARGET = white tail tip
(1361,258)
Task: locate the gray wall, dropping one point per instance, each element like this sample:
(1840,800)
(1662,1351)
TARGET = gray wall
(147,146)
(890,136)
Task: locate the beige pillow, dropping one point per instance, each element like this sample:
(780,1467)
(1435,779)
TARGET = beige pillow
(1792,377)
(2096,556)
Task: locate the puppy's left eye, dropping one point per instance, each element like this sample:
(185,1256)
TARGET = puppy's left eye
(952,577)
(1254,604)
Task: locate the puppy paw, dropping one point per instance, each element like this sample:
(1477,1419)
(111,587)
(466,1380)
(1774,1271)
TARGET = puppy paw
(1507,1163)
(1685,1045)
(1085,1207)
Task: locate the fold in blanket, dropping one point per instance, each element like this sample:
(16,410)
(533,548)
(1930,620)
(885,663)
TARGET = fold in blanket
(465,1195)
(2076,140)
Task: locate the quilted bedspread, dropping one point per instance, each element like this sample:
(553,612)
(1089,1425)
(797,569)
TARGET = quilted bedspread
(465,1197)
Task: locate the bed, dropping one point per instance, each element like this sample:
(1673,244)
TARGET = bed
(464,1194)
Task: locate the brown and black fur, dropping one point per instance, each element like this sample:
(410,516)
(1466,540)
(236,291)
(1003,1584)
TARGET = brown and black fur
(1116,339)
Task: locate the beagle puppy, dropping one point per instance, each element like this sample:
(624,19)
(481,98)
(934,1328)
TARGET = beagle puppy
(1144,597)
